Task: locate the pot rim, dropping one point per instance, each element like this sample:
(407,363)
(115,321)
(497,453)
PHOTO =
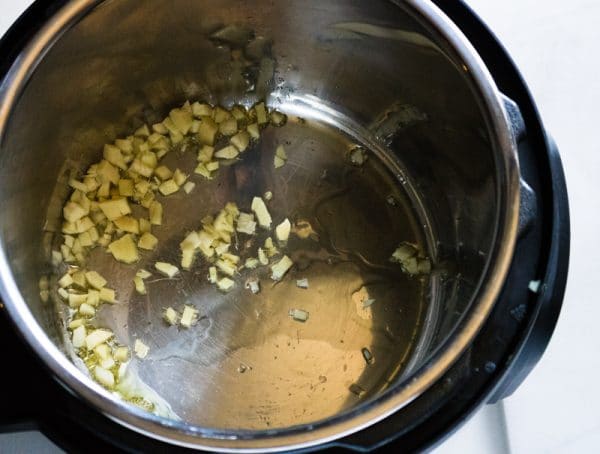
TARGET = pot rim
(343,424)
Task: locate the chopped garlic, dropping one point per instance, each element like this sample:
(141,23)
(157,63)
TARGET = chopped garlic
(261,212)
(207,131)
(189,187)
(246,223)
(299,315)
(302,283)
(93,297)
(253,285)
(104,377)
(228,127)
(78,337)
(87,310)
(124,249)
(229,152)
(212,166)
(187,259)
(102,351)
(280,268)
(212,275)
(251,263)
(282,231)
(63,293)
(277,118)
(147,241)
(205,154)
(262,257)
(76,323)
(189,316)
(167,269)
(97,337)
(261,113)
(268,195)
(121,354)
(140,286)
(113,155)
(141,350)
(226,267)
(170,316)
(126,188)
(225,284)
(358,156)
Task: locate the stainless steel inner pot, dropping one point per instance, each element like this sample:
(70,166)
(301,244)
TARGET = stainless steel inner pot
(395,77)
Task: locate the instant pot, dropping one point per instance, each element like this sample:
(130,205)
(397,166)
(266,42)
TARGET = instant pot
(426,81)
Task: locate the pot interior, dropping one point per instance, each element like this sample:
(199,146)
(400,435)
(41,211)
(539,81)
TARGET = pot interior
(347,74)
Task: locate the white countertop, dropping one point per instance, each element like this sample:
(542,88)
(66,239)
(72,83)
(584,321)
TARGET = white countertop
(557,409)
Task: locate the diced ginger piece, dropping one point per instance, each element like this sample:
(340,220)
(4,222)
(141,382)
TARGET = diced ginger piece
(302,283)
(147,241)
(229,152)
(126,187)
(145,225)
(202,170)
(167,269)
(168,187)
(156,213)
(107,173)
(228,127)
(143,274)
(124,249)
(261,113)
(65,281)
(241,140)
(107,295)
(207,131)
(279,269)
(141,350)
(171,316)
(125,145)
(182,119)
(277,118)
(103,190)
(114,209)
(76,300)
(97,337)
(114,155)
(282,231)
(191,241)
(189,316)
(121,354)
(94,279)
(280,157)
(128,224)
(93,297)
(205,153)
(201,110)
(261,212)
(220,114)
(73,212)
(142,131)
(179,177)
(189,187)
(78,185)
(163,172)
(253,130)
(212,166)
(140,286)
(225,284)
(78,336)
